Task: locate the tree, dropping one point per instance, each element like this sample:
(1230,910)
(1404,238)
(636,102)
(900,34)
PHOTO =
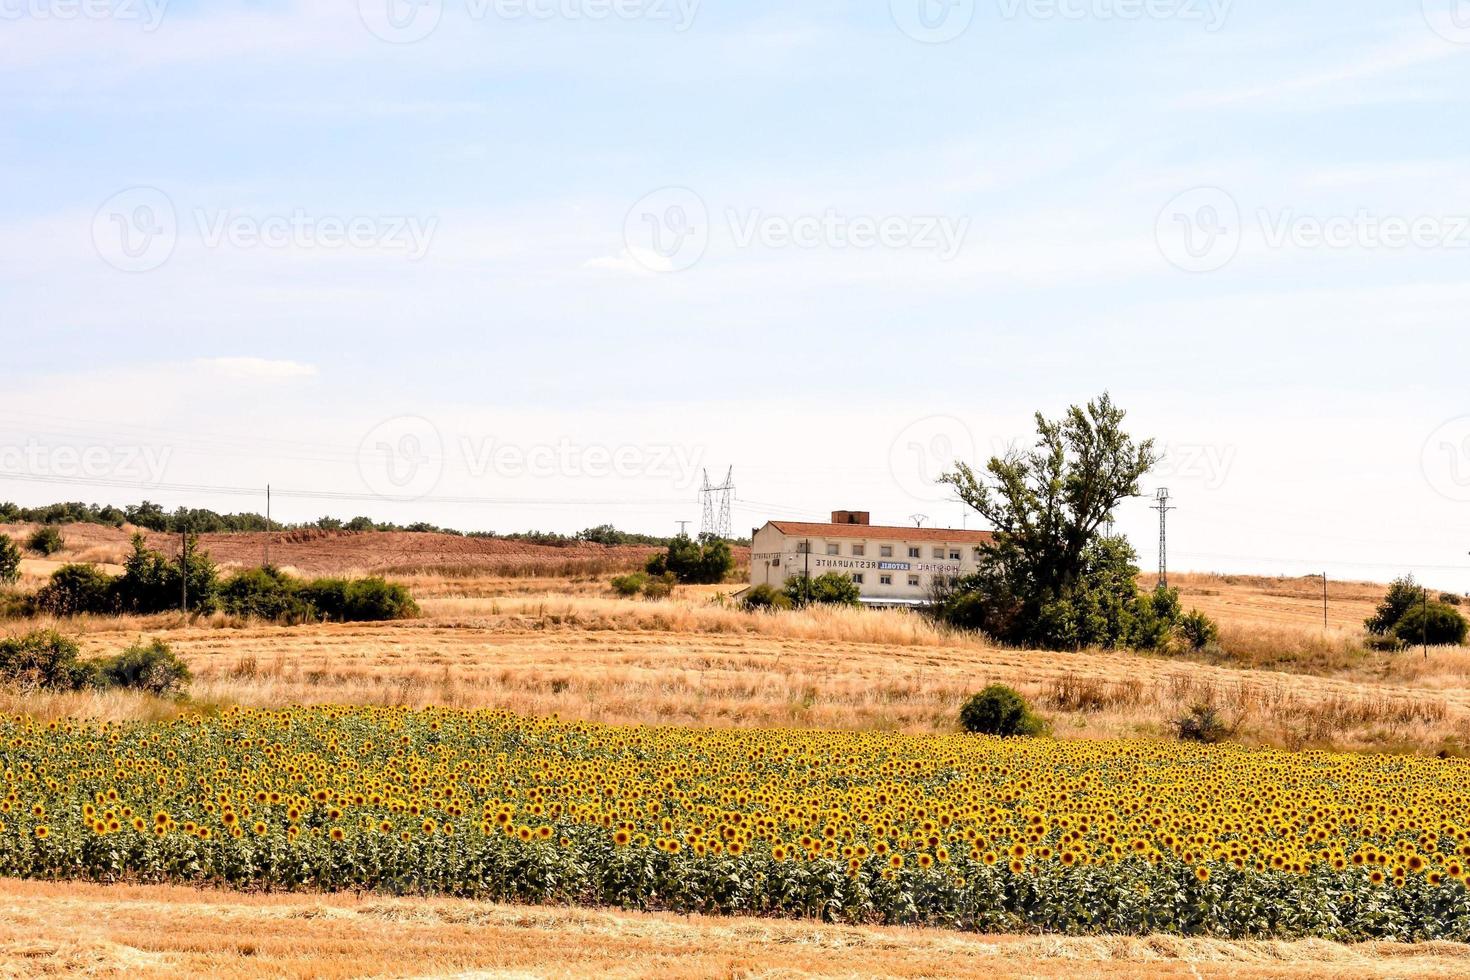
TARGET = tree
(1434,623)
(1403,594)
(999,710)
(829,589)
(46,541)
(1050,578)
(9,561)
(706,561)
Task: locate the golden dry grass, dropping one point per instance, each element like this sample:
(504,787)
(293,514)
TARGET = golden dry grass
(49,929)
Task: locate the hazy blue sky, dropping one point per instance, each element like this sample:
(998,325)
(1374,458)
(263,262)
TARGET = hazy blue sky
(562,254)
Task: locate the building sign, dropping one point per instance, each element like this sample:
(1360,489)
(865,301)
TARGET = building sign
(893,566)
(860,564)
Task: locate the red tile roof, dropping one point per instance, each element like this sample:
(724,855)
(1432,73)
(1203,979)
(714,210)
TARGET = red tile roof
(947,535)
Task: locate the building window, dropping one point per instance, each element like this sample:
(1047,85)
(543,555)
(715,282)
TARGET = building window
(885,551)
(885,579)
(857,577)
(914,553)
(803,547)
(834,549)
(954,554)
(859,550)
(914,581)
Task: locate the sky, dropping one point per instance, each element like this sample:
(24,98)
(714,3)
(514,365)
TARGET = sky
(513,264)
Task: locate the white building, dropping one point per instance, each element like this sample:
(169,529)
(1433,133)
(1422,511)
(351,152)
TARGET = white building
(893,566)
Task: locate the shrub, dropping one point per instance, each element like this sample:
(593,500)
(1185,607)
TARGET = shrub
(46,541)
(1403,593)
(829,589)
(152,583)
(999,710)
(661,587)
(1197,630)
(706,561)
(1387,643)
(76,589)
(266,593)
(9,561)
(1450,598)
(153,668)
(764,597)
(1434,623)
(630,584)
(1203,724)
(372,599)
(43,659)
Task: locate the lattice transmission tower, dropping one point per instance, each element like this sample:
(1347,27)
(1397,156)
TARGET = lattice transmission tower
(717,517)
(1161,504)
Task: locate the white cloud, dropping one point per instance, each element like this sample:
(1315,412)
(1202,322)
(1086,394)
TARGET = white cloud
(246,368)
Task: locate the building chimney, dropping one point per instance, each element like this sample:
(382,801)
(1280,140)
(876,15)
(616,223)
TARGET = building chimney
(850,517)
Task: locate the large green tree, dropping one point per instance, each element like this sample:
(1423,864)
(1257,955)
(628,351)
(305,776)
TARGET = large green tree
(1051,578)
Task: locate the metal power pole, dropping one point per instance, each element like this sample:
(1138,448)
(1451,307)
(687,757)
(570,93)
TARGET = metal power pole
(683,528)
(1162,506)
(267,525)
(184,565)
(1324,602)
(806,587)
(1424,620)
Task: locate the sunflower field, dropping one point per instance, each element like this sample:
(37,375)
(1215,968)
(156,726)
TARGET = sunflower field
(962,831)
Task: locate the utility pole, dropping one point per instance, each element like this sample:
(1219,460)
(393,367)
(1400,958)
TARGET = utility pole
(806,587)
(267,526)
(1162,506)
(683,528)
(184,565)
(1324,602)
(1424,620)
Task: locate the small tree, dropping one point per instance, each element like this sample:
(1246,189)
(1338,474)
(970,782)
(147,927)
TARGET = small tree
(1403,594)
(152,668)
(9,561)
(46,541)
(1197,630)
(76,589)
(1000,710)
(763,597)
(706,561)
(829,589)
(1434,623)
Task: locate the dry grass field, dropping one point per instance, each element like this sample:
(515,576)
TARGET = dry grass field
(51,929)
(551,638)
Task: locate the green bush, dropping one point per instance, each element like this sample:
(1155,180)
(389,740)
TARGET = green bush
(630,584)
(76,589)
(1197,630)
(9,561)
(373,599)
(152,668)
(660,587)
(1434,623)
(43,659)
(151,583)
(706,561)
(764,597)
(1000,710)
(828,589)
(265,593)
(46,541)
